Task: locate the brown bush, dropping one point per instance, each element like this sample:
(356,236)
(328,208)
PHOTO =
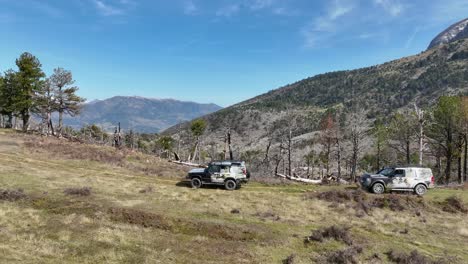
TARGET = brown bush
(413,258)
(454,204)
(137,217)
(290,259)
(363,202)
(333,232)
(148,189)
(345,256)
(83,191)
(12,195)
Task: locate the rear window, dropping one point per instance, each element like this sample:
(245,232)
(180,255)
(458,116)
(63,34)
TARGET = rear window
(425,173)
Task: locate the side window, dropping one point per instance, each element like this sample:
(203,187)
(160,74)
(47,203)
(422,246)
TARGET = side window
(224,169)
(400,173)
(214,169)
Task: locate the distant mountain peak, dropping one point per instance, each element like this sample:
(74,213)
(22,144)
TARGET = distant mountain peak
(455,32)
(142,114)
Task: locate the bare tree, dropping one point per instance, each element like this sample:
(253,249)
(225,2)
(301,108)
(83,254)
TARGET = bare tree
(402,132)
(327,139)
(420,131)
(357,130)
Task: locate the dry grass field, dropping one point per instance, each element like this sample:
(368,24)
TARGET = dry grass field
(64,202)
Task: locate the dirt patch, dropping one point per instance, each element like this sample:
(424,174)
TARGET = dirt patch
(66,207)
(333,232)
(12,195)
(137,217)
(454,204)
(65,149)
(82,191)
(125,158)
(267,216)
(230,232)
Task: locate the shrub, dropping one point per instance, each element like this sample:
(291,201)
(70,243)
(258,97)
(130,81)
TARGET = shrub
(84,191)
(12,195)
(454,204)
(334,232)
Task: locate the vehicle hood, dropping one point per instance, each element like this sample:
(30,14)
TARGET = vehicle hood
(197,171)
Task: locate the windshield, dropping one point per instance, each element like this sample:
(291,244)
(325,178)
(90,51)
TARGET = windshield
(387,172)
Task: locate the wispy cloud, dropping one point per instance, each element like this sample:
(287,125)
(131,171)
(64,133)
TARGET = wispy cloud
(190,8)
(113,8)
(393,7)
(47,9)
(273,7)
(260,4)
(228,11)
(325,26)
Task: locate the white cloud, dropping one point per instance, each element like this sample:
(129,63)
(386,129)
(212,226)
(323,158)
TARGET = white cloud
(260,4)
(107,9)
(228,11)
(393,7)
(190,8)
(325,26)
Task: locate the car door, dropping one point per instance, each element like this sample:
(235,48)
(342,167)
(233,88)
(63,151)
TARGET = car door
(399,179)
(212,173)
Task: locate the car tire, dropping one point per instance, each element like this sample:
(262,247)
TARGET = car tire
(420,189)
(378,188)
(230,185)
(196,183)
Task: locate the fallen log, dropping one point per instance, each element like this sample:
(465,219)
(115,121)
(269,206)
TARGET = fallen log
(190,164)
(299,179)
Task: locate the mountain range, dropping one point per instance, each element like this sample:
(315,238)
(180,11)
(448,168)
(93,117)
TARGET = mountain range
(141,114)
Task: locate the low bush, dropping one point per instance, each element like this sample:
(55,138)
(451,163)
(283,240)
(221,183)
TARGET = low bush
(333,232)
(12,195)
(454,204)
(83,191)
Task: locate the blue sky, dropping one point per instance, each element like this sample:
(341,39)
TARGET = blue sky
(220,51)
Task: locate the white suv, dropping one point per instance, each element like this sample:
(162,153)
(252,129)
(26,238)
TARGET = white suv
(406,178)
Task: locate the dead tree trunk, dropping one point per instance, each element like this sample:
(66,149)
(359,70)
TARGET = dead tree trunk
(231,156)
(338,157)
(421,123)
(466,158)
(289,152)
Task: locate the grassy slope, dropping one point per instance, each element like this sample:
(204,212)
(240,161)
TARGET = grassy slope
(186,225)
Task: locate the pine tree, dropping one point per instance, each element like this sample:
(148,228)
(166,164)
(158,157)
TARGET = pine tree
(29,81)
(8,95)
(67,100)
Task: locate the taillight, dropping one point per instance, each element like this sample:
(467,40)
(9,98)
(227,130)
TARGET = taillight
(432,180)
(244,171)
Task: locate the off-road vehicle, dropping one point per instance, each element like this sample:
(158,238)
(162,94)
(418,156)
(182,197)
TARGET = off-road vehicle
(228,173)
(399,178)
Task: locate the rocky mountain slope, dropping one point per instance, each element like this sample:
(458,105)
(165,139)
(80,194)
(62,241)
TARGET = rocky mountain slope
(379,90)
(138,113)
(454,32)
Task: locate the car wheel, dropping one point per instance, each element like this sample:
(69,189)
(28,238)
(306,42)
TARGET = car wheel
(420,189)
(230,185)
(196,183)
(378,188)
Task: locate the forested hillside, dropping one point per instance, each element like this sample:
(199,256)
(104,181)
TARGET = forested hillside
(291,116)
